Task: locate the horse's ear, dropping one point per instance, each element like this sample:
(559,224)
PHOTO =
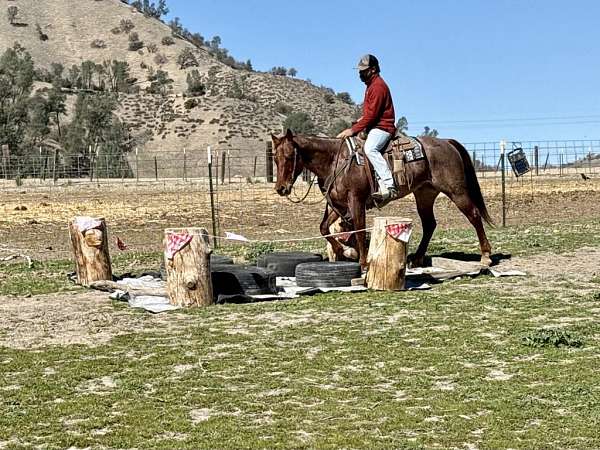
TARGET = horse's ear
(289,134)
(275,139)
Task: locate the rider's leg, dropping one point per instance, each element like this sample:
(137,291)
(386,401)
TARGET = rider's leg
(376,142)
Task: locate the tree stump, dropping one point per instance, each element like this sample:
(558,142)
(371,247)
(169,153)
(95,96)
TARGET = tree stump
(387,254)
(187,262)
(89,242)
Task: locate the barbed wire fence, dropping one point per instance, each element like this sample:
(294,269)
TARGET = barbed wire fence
(232,189)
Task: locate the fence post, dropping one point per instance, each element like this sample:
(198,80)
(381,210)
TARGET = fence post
(223,156)
(269,162)
(155,169)
(212,197)
(54,175)
(254,169)
(137,166)
(503,163)
(184,165)
(536,157)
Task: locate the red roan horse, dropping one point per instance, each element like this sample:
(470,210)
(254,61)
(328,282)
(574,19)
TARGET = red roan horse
(446,168)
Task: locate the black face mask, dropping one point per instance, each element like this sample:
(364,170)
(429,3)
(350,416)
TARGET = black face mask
(364,75)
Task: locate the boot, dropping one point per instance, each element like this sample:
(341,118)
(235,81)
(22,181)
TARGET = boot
(384,196)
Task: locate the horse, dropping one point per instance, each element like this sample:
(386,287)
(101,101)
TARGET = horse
(446,168)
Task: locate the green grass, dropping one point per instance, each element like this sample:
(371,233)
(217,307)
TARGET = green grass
(449,368)
(445,367)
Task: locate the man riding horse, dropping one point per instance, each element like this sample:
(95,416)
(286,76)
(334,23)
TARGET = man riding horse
(378,120)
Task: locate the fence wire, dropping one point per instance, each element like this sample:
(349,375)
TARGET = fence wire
(142,194)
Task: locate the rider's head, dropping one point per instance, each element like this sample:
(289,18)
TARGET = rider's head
(368,66)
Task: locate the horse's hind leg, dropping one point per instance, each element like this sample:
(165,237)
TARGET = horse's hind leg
(468,208)
(425,198)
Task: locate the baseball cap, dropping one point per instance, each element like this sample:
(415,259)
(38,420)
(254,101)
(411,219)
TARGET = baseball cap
(367,61)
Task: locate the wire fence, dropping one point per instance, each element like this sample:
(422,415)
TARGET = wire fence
(232,190)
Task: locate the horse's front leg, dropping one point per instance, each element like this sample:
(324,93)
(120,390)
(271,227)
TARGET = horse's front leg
(358,214)
(328,219)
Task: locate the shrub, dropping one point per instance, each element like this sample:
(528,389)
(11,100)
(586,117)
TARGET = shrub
(546,337)
(135,46)
(43,36)
(161,59)
(191,103)
(116,30)
(98,43)
(345,97)
(300,122)
(329,98)
(338,126)
(195,85)
(152,48)
(126,25)
(283,108)
(187,58)
(167,40)
(12,14)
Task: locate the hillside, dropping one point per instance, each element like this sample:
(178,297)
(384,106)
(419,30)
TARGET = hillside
(240,120)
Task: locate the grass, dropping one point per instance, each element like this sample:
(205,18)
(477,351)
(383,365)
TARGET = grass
(443,368)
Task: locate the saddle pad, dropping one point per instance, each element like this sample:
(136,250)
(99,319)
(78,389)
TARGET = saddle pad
(416,153)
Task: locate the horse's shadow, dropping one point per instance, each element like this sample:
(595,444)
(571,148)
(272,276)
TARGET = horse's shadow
(467,257)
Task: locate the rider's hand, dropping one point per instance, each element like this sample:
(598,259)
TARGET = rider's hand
(345,134)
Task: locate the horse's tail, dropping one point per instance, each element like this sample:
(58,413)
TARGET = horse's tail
(472,183)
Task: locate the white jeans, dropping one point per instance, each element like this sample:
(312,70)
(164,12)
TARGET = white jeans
(375,144)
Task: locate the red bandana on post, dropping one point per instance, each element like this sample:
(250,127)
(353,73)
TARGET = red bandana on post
(400,231)
(175,242)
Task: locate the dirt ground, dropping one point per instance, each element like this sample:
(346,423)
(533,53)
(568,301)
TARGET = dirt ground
(91,319)
(33,219)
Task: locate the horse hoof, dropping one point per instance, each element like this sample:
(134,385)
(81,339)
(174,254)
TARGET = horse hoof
(350,253)
(415,261)
(486,261)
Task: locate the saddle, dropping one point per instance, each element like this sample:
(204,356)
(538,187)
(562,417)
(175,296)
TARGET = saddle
(400,150)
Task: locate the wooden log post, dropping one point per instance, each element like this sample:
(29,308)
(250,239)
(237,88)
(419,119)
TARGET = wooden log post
(187,261)
(387,254)
(89,242)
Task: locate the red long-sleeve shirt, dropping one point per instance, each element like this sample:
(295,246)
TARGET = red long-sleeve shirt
(378,108)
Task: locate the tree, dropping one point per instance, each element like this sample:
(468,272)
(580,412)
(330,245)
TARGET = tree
(195,85)
(187,58)
(38,121)
(300,122)
(292,72)
(402,125)
(279,70)
(151,9)
(56,105)
(345,97)
(117,74)
(12,14)
(338,126)
(16,84)
(176,26)
(160,83)
(428,132)
(215,42)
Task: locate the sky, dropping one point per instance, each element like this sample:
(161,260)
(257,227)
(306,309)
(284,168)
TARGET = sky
(476,70)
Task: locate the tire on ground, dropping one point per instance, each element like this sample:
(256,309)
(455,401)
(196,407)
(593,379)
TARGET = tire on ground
(228,279)
(214,259)
(327,274)
(284,263)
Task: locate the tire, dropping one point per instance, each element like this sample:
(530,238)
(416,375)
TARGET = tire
(230,279)
(327,274)
(214,259)
(284,264)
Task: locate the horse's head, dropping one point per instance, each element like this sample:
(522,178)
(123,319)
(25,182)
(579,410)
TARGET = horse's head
(288,161)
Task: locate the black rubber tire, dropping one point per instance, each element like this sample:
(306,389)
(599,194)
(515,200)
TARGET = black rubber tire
(284,264)
(230,279)
(214,259)
(327,274)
